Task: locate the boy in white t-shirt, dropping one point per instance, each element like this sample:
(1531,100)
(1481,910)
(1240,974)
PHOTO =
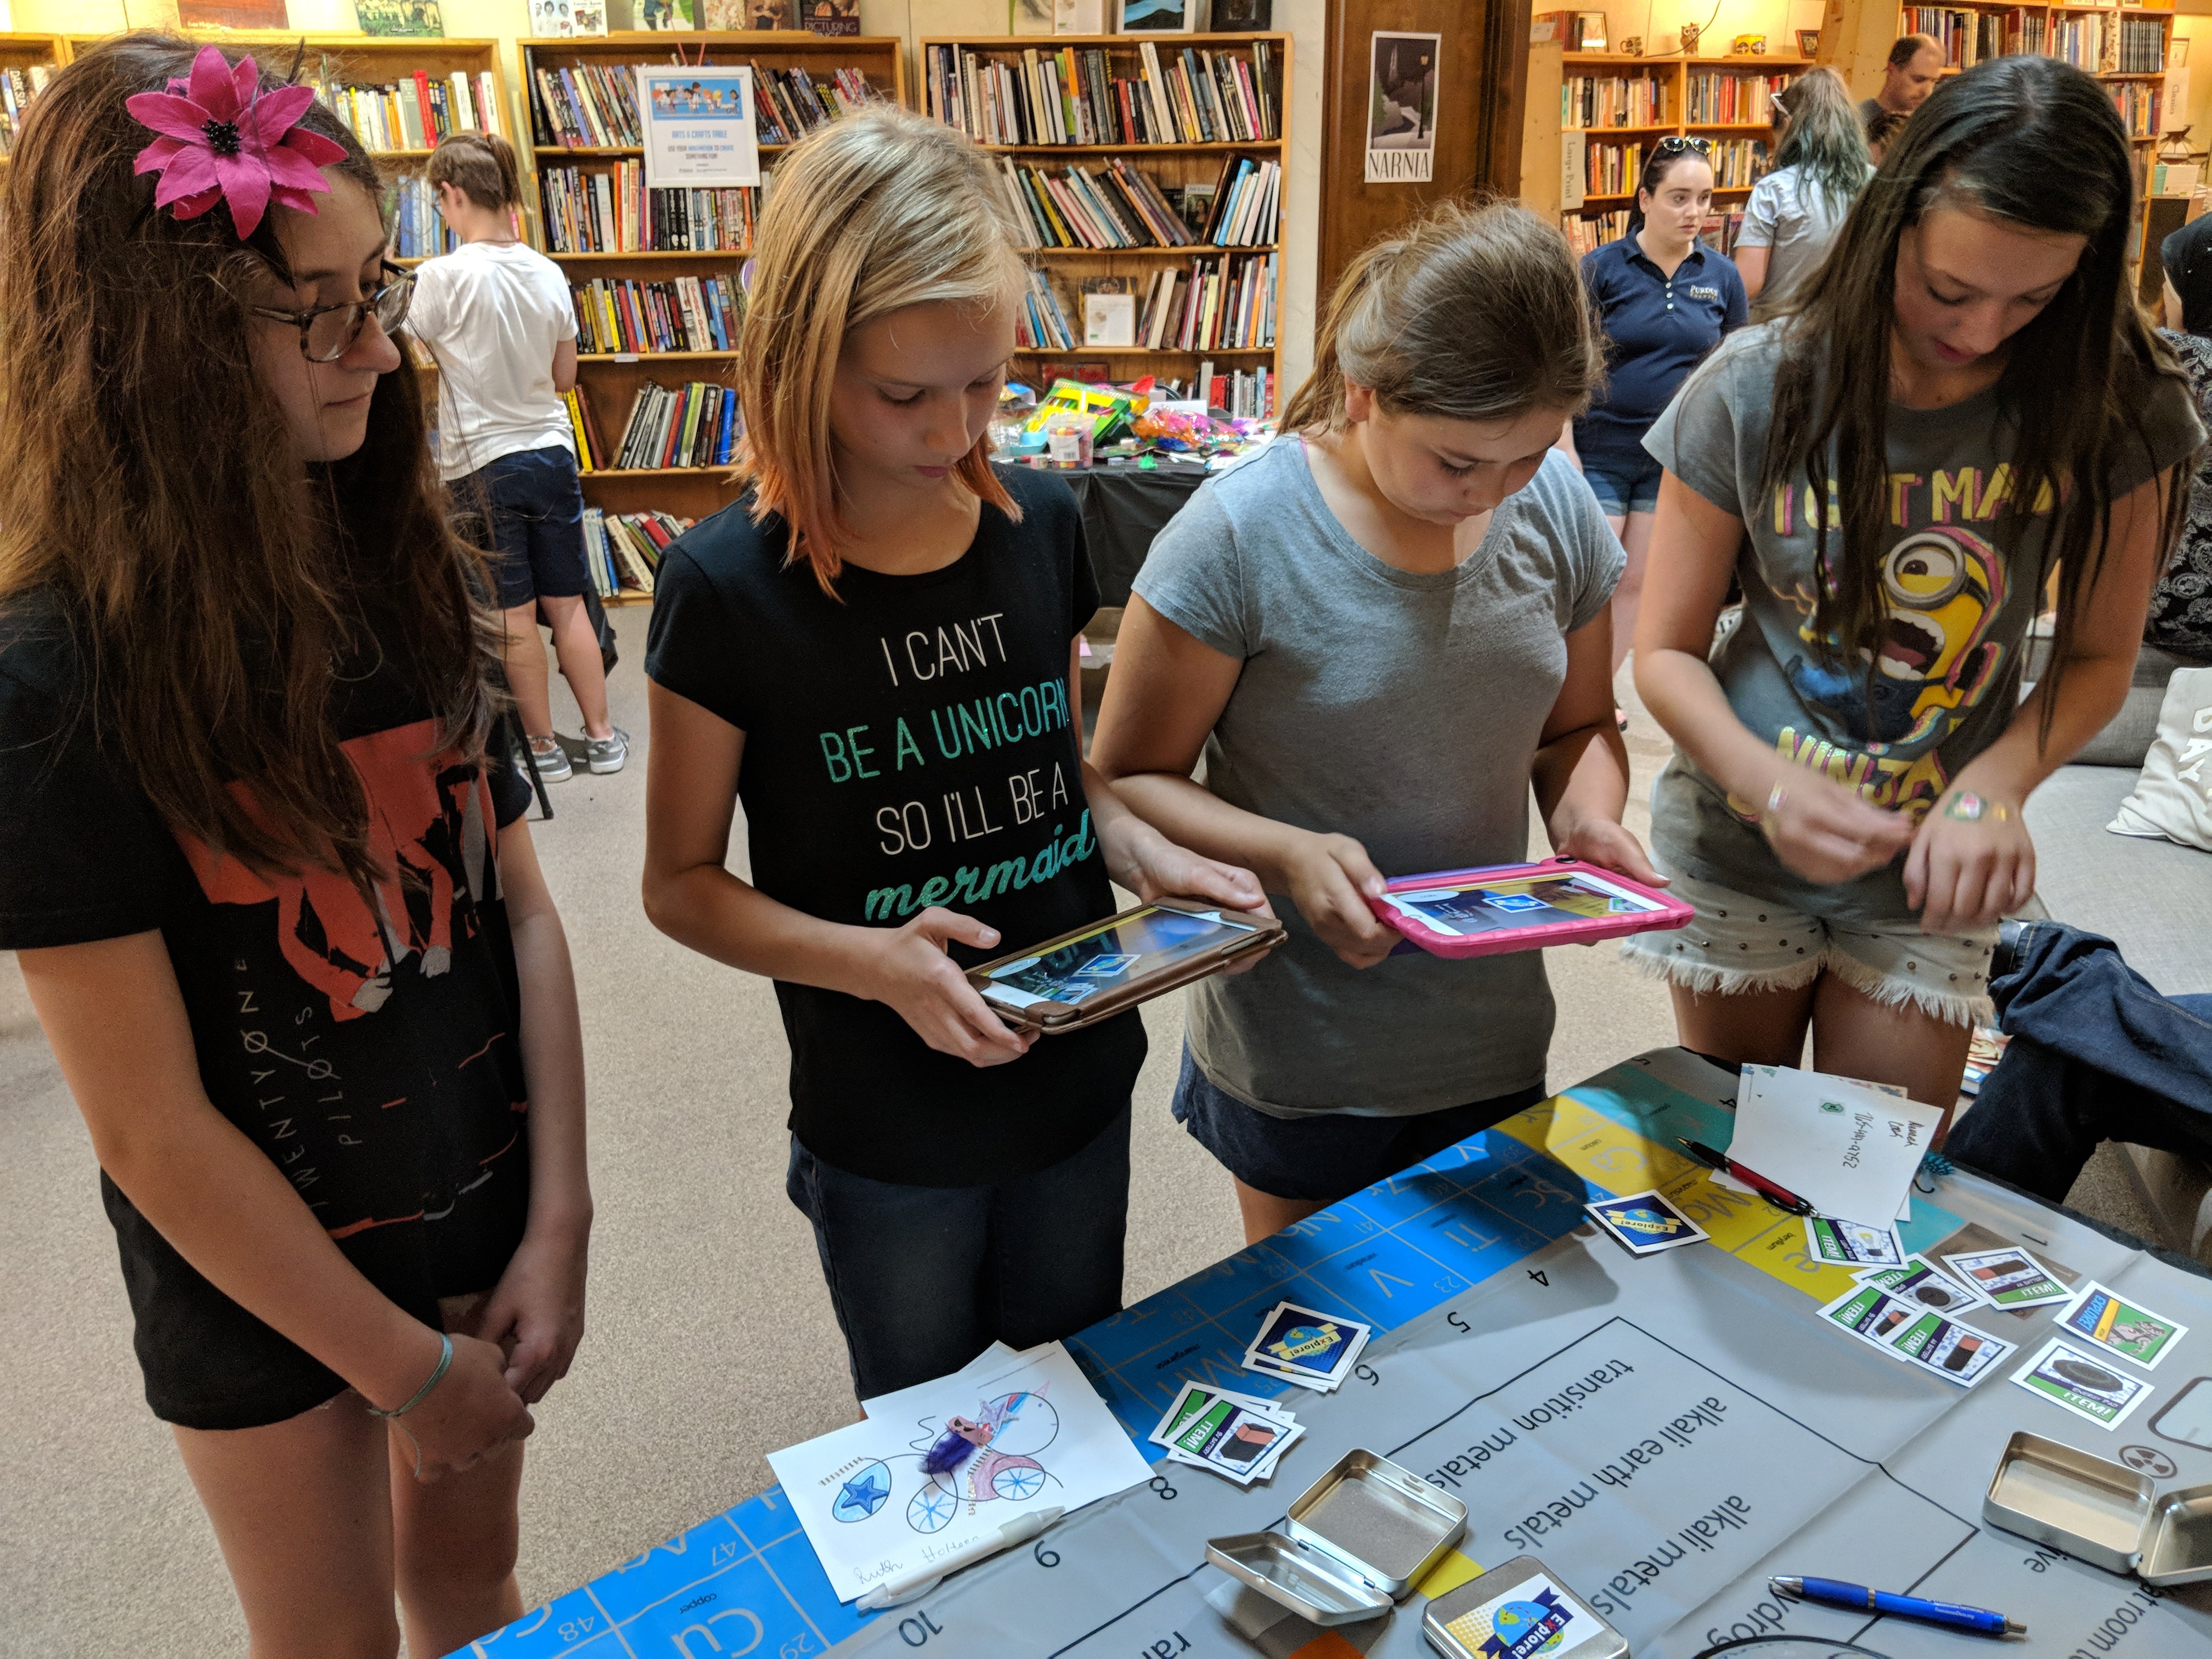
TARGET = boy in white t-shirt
(498,317)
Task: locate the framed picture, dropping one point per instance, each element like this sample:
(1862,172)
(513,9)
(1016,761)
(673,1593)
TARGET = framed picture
(1808,43)
(699,130)
(1155,16)
(398,17)
(831,17)
(1028,16)
(657,15)
(1241,16)
(1401,107)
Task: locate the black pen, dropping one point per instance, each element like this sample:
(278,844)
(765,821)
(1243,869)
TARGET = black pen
(1781,1197)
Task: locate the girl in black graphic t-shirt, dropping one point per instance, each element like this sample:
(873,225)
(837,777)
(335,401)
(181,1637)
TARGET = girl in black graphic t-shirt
(284,933)
(875,651)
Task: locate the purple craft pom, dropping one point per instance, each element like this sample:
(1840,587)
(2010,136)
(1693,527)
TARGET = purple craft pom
(950,1451)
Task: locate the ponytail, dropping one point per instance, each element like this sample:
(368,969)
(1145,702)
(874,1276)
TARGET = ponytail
(1470,313)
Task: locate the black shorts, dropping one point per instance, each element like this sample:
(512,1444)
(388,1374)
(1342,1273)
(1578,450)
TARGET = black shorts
(210,1365)
(1322,1158)
(532,510)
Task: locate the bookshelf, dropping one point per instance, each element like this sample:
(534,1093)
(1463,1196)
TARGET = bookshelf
(1060,112)
(19,54)
(563,162)
(1607,111)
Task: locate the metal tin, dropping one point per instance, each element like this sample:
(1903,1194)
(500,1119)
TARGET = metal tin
(1310,1583)
(1510,1604)
(2090,1507)
(1380,1519)
(2177,1541)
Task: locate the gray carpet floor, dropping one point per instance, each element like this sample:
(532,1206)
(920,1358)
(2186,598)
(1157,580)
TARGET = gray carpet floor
(711,1341)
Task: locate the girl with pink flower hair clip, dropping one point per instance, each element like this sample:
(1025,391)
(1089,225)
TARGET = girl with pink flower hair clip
(272,894)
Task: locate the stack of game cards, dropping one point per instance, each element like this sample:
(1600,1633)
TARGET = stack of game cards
(1315,1351)
(1908,1311)
(1644,1224)
(2105,1325)
(1232,1434)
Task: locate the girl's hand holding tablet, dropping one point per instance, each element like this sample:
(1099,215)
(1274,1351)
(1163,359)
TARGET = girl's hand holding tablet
(909,971)
(1148,864)
(1330,880)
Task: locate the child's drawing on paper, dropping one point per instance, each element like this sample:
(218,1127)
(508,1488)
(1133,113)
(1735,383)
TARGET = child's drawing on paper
(991,1455)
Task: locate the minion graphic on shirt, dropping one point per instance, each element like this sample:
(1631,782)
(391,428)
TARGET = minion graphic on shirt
(1944,587)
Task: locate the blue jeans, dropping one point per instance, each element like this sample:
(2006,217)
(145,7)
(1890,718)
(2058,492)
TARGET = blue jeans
(924,1279)
(2096,1054)
(532,510)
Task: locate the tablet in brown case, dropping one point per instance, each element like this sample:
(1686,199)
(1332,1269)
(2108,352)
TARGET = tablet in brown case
(1054,1018)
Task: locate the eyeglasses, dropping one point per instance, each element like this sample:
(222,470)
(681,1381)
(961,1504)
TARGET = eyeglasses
(1672,145)
(328,332)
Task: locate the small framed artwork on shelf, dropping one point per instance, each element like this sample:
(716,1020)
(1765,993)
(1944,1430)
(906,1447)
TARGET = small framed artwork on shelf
(1808,43)
(1241,16)
(1155,16)
(400,19)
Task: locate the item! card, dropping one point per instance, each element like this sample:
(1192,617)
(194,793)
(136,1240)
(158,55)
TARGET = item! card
(1644,1224)
(2010,1278)
(1853,1243)
(1921,1283)
(1950,1350)
(2118,1327)
(1233,1441)
(1194,1398)
(2074,1381)
(1316,1349)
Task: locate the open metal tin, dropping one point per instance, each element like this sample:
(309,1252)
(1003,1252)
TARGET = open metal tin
(1361,1536)
(2177,1541)
(2088,1506)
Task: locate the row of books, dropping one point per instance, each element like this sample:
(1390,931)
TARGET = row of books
(1072,96)
(1120,207)
(2078,41)
(612,211)
(17,87)
(622,550)
(1721,230)
(1738,163)
(2142,46)
(696,424)
(596,105)
(2139,103)
(1586,233)
(1614,100)
(1217,304)
(1716,97)
(414,113)
(417,230)
(681,313)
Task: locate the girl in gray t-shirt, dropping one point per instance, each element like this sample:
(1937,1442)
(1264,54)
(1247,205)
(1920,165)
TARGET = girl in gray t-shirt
(1962,412)
(1795,211)
(1380,633)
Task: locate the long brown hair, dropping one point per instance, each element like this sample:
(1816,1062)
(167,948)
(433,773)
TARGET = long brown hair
(881,210)
(1473,314)
(2027,141)
(146,484)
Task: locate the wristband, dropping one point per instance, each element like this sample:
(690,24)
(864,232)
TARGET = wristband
(437,1376)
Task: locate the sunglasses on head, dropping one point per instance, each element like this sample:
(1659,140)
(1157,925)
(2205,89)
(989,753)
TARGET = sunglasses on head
(1672,145)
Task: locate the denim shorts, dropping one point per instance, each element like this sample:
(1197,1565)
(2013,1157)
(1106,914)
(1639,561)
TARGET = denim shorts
(533,513)
(924,1279)
(1330,1155)
(1737,943)
(1624,483)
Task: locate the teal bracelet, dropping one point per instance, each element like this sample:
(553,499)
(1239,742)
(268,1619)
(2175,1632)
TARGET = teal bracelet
(437,1376)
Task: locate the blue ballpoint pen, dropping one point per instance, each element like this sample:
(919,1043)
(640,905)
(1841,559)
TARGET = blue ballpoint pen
(1834,1592)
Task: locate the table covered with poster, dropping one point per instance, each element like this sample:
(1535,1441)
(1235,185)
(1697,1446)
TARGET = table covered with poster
(1663,1432)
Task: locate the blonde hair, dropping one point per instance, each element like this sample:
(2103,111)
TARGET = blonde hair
(1473,314)
(868,216)
(480,165)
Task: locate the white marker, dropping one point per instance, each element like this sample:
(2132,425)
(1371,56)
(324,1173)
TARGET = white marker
(897,1590)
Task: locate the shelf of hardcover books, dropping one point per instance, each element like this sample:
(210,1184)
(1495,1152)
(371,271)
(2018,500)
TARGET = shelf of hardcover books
(2122,45)
(25,63)
(653,273)
(1149,171)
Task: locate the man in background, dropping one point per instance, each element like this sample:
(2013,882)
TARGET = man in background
(1915,62)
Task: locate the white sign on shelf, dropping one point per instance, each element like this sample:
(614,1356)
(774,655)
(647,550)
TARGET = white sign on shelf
(699,130)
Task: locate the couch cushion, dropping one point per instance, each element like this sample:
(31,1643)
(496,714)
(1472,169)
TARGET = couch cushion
(2172,795)
(2149,897)
(2128,736)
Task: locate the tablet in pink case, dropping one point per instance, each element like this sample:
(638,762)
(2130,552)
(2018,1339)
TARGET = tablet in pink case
(1523,907)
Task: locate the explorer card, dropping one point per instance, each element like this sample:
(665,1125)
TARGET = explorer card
(2119,1326)
(2075,1382)
(1308,1346)
(1853,1243)
(2009,1277)
(1644,1224)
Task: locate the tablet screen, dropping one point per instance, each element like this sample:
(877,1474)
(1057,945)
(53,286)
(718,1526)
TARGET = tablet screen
(1112,955)
(1486,904)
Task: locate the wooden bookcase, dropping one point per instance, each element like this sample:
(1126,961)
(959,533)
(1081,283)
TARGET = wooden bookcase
(609,382)
(1672,89)
(1170,166)
(29,51)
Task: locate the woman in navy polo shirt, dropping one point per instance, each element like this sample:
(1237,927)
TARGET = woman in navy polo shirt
(1664,301)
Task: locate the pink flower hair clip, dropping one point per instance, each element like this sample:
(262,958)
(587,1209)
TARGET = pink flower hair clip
(221,138)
